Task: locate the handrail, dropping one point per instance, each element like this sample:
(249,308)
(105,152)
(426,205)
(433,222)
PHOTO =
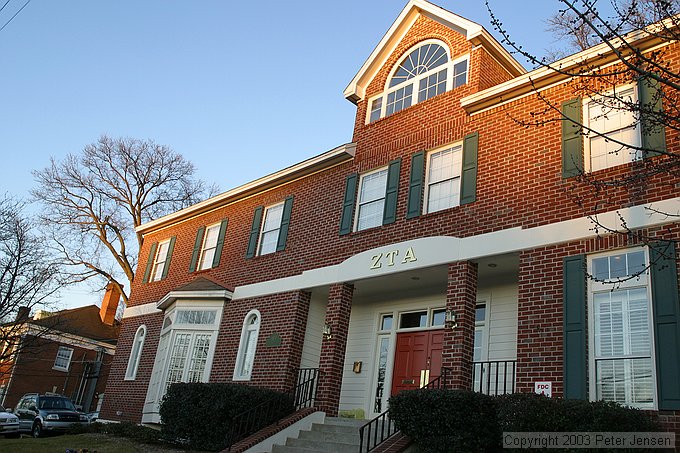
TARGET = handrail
(494,377)
(381,428)
(301,396)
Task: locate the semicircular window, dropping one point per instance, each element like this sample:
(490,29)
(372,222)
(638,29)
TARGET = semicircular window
(423,59)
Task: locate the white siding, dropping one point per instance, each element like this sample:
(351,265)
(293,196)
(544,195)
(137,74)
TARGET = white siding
(503,323)
(311,350)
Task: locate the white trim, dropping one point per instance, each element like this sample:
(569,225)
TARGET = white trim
(240,356)
(141,310)
(133,363)
(173,296)
(294,172)
(438,250)
(69,339)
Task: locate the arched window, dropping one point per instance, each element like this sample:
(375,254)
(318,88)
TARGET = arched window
(136,353)
(424,72)
(246,350)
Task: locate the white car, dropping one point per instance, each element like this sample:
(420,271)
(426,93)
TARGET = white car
(9,423)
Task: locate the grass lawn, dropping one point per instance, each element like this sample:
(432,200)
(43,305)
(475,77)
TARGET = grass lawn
(91,442)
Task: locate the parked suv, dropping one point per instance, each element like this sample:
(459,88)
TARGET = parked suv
(47,413)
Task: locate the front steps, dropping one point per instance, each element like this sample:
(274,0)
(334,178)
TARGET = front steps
(334,435)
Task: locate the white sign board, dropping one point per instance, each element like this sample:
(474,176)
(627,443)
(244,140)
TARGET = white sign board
(543,388)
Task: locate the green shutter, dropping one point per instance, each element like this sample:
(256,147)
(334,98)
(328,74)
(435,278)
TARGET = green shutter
(650,96)
(171,247)
(254,232)
(348,203)
(285,221)
(149,262)
(574,293)
(666,314)
(220,243)
(391,192)
(468,178)
(572,139)
(197,249)
(415,185)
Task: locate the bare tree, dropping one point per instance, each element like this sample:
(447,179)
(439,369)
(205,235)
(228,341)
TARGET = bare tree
(29,278)
(632,49)
(94,200)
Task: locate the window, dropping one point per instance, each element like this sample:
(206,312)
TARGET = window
(209,246)
(425,72)
(160,260)
(63,360)
(620,325)
(371,202)
(247,346)
(611,121)
(442,189)
(269,236)
(136,353)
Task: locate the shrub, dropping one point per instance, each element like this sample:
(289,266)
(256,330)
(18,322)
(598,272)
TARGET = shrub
(446,420)
(201,415)
(123,429)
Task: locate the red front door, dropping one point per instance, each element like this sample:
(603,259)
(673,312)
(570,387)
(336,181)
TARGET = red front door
(418,359)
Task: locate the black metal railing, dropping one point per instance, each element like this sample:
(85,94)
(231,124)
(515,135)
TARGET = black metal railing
(381,428)
(274,409)
(496,377)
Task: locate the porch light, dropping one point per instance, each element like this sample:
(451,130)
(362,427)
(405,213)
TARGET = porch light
(450,320)
(327,332)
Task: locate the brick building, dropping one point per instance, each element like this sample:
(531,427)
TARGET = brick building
(68,352)
(445,235)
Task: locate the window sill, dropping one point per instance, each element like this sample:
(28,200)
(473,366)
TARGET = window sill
(241,378)
(65,370)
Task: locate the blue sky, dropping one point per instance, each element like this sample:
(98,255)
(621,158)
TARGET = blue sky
(242,89)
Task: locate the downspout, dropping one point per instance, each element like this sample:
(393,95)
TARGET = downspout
(92,380)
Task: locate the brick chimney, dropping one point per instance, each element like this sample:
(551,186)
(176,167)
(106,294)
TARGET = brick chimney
(109,304)
(22,314)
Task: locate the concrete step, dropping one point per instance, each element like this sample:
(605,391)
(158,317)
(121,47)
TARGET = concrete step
(287,449)
(330,436)
(330,428)
(322,446)
(344,421)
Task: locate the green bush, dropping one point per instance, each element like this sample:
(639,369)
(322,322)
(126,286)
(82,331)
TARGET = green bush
(455,420)
(124,429)
(201,415)
(446,420)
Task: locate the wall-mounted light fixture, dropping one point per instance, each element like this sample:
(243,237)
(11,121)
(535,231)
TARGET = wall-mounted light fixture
(327,332)
(450,321)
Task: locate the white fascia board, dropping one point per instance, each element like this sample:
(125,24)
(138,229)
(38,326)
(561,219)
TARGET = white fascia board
(141,310)
(356,90)
(438,250)
(69,339)
(172,296)
(330,158)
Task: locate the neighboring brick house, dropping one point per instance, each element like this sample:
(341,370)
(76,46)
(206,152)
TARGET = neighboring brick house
(356,261)
(67,352)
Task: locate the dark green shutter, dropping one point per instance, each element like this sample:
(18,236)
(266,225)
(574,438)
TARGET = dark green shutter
(149,262)
(348,203)
(197,249)
(254,232)
(666,323)
(653,131)
(572,139)
(574,293)
(285,221)
(391,192)
(220,243)
(171,247)
(468,178)
(415,185)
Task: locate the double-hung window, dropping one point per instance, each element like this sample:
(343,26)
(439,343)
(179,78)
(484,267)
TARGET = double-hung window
(269,235)
(209,246)
(63,359)
(620,325)
(160,260)
(613,129)
(371,203)
(442,188)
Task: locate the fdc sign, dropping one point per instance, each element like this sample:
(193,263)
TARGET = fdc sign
(543,388)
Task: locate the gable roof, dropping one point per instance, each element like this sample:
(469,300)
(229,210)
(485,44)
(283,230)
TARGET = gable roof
(475,33)
(83,321)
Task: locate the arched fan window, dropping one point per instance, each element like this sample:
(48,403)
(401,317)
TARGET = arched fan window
(426,71)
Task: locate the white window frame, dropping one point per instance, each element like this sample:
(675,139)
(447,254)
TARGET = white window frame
(415,81)
(204,247)
(135,353)
(630,155)
(155,274)
(243,352)
(58,367)
(267,211)
(357,208)
(426,199)
(643,280)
